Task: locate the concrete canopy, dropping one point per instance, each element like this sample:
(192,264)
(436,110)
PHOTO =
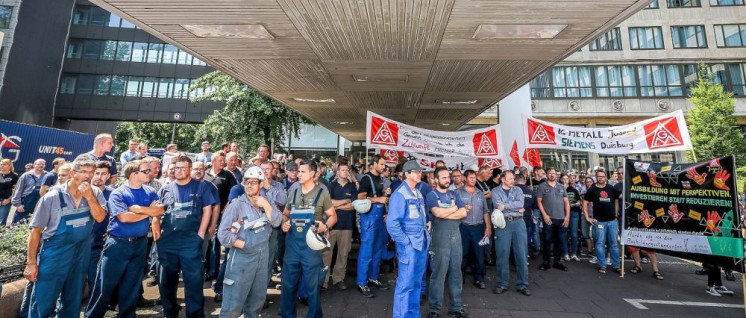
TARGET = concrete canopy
(435,64)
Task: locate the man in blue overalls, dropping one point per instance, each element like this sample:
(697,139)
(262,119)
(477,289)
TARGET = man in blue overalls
(447,210)
(181,243)
(120,271)
(307,205)
(63,221)
(98,235)
(406,222)
(246,229)
(27,191)
(373,236)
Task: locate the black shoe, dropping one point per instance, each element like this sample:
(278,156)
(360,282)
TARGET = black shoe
(433,315)
(525,292)
(378,284)
(560,266)
(365,291)
(458,314)
(142,302)
(266,304)
(341,286)
(218,297)
(303,301)
(544,266)
(500,290)
(480,284)
(729,276)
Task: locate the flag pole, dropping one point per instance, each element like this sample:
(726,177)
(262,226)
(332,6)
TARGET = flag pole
(624,198)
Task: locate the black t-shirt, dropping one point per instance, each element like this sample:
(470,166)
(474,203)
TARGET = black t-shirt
(224,181)
(7,181)
(366,187)
(483,186)
(492,184)
(573,195)
(535,183)
(603,202)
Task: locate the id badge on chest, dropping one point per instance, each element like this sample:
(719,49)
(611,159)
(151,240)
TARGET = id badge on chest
(414,213)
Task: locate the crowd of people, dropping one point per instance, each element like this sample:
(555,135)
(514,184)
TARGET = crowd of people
(237,222)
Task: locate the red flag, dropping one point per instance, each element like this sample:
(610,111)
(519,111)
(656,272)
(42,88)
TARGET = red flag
(531,156)
(514,154)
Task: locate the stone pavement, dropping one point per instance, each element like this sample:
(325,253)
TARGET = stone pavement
(580,292)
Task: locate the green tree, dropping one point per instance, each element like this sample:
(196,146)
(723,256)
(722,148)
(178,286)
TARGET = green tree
(712,125)
(249,118)
(156,135)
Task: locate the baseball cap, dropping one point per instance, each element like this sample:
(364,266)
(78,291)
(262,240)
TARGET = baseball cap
(412,166)
(291,166)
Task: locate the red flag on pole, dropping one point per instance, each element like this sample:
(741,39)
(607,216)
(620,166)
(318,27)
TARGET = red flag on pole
(531,156)
(514,154)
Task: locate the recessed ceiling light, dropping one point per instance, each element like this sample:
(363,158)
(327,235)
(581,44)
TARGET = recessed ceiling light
(343,122)
(246,31)
(445,124)
(517,31)
(314,100)
(402,78)
(457,101)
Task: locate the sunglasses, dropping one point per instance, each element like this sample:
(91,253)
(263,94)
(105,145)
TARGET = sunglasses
(146,171)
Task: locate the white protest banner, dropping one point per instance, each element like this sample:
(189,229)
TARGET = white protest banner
(663,133)
(384,133)
(428,162)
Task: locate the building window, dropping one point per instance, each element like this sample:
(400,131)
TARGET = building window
(134,85)
(165,87)
(184,58)
(181,88)
(646,38)
(610,41)
(109,50)
(615,81)
(124,51)
(689,36)
(68,85)
(691,75)
(170,53)
(725,3)
(118,84)
(683,3)
(653,5)
(572,81)
(139,52)
(92,49)
(90,15)
(155,53)
(75,48)
(738,78)
(102,85)
(6,12)
(730,35)
(86,83)
(540,86)
(659,80)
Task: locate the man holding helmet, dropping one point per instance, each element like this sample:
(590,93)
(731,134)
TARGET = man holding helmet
(245,229)
(309,209)
(406,224)
(510,233)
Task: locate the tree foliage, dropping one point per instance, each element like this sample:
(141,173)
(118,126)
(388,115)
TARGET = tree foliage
(156,135)
(712,125)
(249,118)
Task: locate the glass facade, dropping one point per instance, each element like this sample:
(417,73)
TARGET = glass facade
(6,12)
(730,35)
(653,5)
(631,81)
(646,38)
(133,86)
(90,15)
(723,3)
(610,41)
(683,3)
(688,36)
(129,52)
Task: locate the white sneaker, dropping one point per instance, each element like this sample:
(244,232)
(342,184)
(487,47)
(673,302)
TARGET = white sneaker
(575,258)
(567,257)
(723,290)
(712,291)
(594,260)
(608,261)
(645,261)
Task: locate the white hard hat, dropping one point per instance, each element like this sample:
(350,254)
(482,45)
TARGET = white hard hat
(316,241)
(254,173)
(362,206)
(498,219)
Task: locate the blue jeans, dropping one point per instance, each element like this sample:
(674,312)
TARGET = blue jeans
(4,211)
(93,268)
(473,253)
(120,272)
(181,252)
(535,234)
(512,236)
(556,235)
(574,222)
(606,232)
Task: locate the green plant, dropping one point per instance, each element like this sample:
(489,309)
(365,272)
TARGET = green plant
(13,245)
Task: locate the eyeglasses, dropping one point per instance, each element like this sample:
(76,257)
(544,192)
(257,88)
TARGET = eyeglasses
(181,168)
(251,183)
(146,171)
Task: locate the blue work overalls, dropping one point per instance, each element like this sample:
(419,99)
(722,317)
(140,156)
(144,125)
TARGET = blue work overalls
(29,201)
(373,239)
(180,248)
(63,262)
(445,259)
(299,258)
(245,283)
(406,223)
